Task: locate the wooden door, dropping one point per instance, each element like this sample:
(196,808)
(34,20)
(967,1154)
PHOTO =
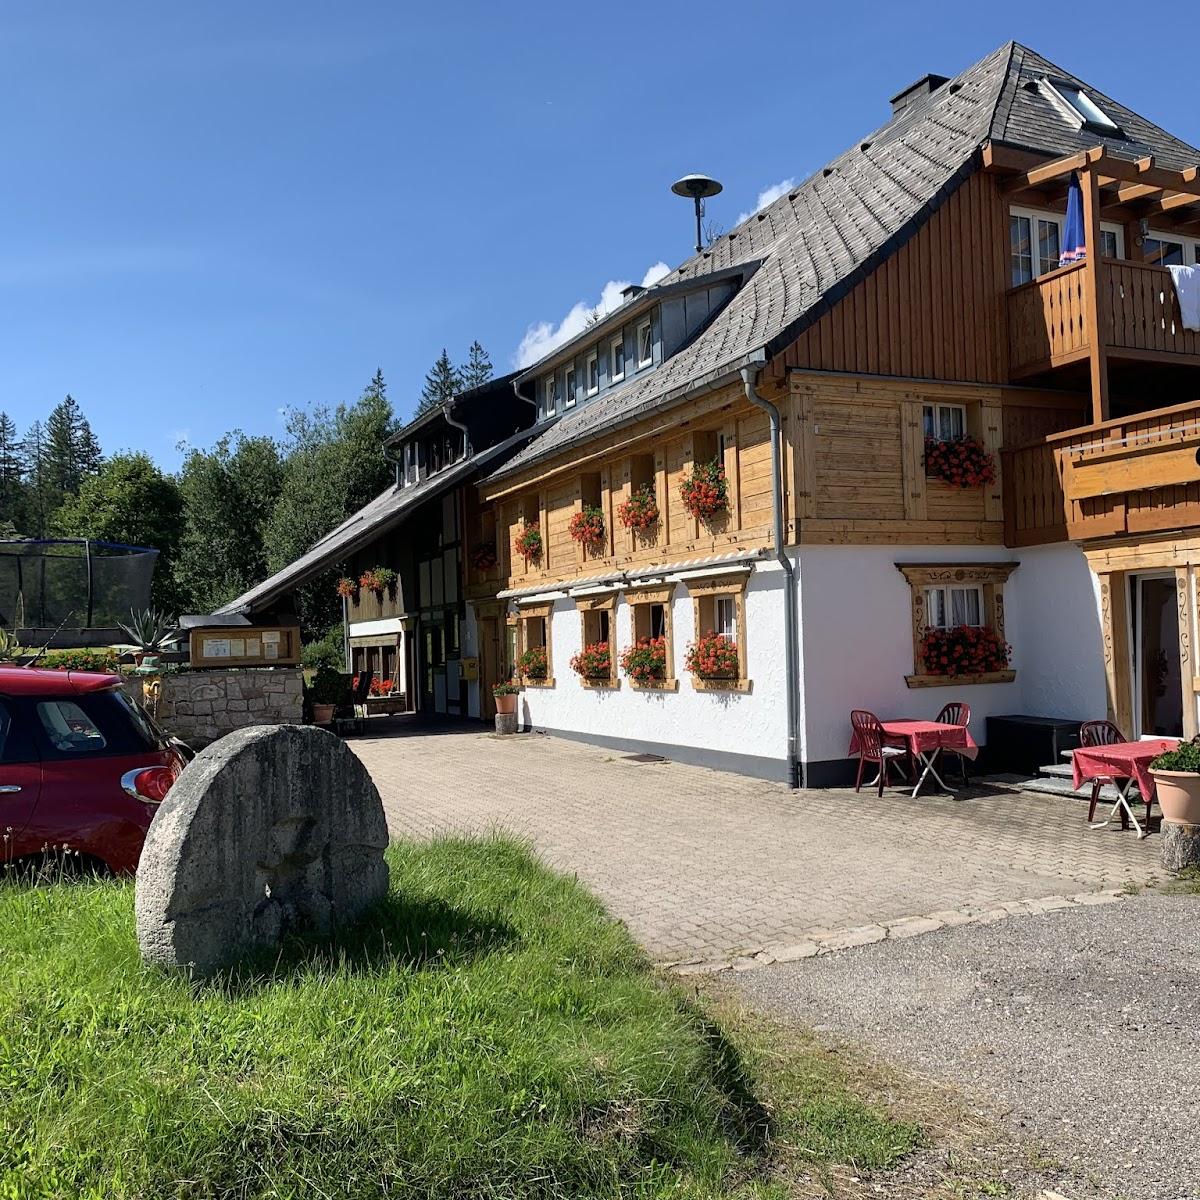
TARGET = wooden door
(489,665)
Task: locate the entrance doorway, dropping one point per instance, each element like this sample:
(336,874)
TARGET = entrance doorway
(1157,687)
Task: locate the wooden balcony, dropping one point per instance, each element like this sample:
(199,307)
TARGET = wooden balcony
(1136,475)
(1137,310)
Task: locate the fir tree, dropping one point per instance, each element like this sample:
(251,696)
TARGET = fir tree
(12,486)
(72,453)
(37,498)
(478,367)
(441,383)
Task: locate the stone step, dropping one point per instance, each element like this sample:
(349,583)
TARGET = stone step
(1058,786)
(1056,770)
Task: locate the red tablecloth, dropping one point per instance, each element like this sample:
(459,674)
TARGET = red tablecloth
(926,736)
(1124,760)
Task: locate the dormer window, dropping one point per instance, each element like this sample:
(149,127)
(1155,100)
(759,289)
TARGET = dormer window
(549,397)
(645,344)
(1082,106)
(569,398)
(593,373)
(616,360)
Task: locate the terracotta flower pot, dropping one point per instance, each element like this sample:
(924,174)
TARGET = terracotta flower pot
(506,704)
(1178,796)
(323,714)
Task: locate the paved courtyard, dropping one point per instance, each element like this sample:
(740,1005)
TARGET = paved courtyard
(704,865)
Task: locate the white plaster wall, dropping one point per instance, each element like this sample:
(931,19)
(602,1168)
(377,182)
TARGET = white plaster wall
(856,638)
(1052,620)
(753,723)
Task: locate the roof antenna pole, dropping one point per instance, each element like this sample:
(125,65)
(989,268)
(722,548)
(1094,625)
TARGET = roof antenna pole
(699,187)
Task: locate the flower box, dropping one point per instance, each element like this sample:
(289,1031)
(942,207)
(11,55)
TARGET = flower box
(704,492)
(962,462)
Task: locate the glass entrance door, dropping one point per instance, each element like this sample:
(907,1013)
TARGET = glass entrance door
(1158,693)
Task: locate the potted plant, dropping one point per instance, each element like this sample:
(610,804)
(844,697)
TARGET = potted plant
(533,664)
(704,491)
(377,579)
(150,632)
(1177,783)
(505,694)
(962,462)
(640,511)
(346,588)
(593,662)
(963,650)
(528,542)
(646,660)
(587,527)
(713,656)
(329,690)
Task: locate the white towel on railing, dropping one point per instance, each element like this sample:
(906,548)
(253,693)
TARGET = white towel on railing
(1187,288)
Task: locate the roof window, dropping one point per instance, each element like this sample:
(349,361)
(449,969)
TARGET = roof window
(1082,106)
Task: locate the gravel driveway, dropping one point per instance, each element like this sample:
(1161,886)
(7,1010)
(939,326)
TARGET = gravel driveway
(1081,1027)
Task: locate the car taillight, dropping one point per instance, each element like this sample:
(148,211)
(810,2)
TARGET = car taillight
(149,783)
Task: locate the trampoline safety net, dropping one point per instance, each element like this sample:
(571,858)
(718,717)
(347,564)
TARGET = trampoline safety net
(75,583)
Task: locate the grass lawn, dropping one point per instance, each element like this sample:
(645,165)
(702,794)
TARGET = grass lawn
(488,1033)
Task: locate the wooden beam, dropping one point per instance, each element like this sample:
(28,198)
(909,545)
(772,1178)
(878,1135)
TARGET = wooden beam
(1144,174)
(1095,309)
(1054,170)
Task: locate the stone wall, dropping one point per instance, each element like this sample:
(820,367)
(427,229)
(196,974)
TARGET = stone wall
(201,706)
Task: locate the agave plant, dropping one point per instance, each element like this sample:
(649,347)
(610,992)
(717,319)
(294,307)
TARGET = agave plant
(150,630)
(10,648)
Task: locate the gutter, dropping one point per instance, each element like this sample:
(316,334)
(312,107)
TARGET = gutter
(790,648)
(446,409)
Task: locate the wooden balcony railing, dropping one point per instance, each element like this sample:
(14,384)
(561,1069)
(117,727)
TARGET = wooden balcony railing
(1134,475)
(1139,313)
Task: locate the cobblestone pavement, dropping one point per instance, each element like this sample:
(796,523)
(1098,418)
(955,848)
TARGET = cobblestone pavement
(704,865)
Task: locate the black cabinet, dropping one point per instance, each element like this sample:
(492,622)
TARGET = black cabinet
(1022,744)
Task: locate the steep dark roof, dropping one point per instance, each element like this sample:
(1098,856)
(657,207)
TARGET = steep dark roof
(815,243)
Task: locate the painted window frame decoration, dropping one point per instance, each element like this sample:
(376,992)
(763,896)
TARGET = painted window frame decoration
(591,611)
(641,601)
(922,578)
(525,615)
(707,596)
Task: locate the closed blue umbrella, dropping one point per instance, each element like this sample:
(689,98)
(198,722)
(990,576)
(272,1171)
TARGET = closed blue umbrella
(1074,244)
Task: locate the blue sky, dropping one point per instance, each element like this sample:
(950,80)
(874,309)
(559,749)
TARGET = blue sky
(214,211)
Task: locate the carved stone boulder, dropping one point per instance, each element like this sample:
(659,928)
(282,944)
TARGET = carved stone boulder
(271,830)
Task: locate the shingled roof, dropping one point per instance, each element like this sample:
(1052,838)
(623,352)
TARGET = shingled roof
(815,243)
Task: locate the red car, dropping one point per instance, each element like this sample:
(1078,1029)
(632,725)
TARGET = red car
(81,766)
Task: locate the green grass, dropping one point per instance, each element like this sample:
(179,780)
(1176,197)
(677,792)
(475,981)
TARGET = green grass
(487,1033)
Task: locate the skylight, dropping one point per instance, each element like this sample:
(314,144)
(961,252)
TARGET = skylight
(1083,106)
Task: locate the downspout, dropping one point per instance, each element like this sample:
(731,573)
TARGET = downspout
(458,425)
(517,389)
(779,540)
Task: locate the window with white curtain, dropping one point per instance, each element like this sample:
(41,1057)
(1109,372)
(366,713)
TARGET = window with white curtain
(950,607)
(945,422)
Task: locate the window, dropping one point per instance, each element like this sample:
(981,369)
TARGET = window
(1082,106)
(616,360)
(645,344)
(549,396)
(533,633)
(69,728)
(945,422)
(650,613)
(1162,252)
(1035,243)
(597,613)
(569,389)
(950,607)
(592,371)
(948,596)
(719,606)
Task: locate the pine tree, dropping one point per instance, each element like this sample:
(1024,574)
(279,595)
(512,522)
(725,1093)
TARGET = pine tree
(442,383)
(376,389)
(12,486)
(478,368)
(72,452)
(37,498)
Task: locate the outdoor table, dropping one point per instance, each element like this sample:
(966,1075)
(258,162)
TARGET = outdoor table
(925,740)
(1128,761)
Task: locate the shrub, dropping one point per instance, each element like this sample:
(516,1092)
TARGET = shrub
(594,661)
(326,651)
(961,462)
(713,656)
(528,542)
(587,527)
(533,664)
(640,511)
(331,687)
(963,650)
(704,491)
(646,660)
(102,659)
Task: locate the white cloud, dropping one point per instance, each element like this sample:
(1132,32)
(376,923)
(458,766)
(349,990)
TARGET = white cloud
(545,336)
(768,196)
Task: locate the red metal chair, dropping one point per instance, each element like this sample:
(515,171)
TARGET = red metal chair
(872,746)
(956,713)
(1105,733)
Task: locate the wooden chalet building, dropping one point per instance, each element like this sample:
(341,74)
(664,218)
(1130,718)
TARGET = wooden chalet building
(909,291)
